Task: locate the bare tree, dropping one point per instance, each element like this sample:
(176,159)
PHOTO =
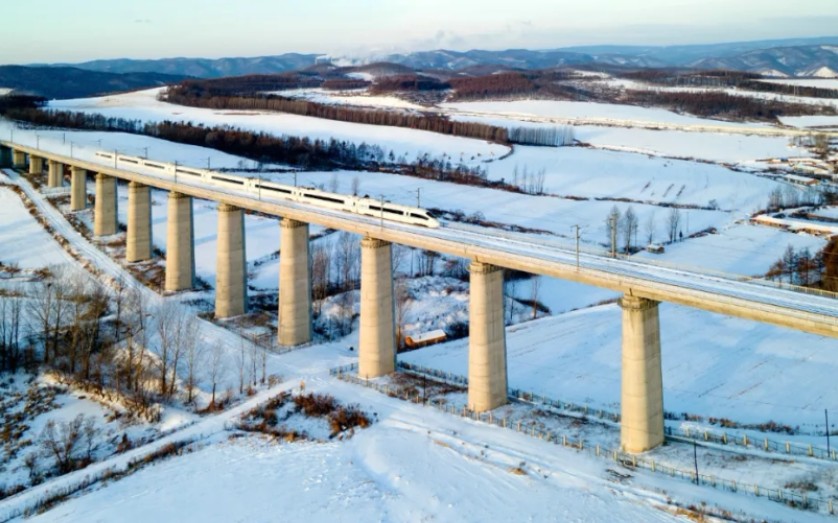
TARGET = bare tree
(536,286)
(216,369)
(193,362)
(404,300)
(321,262)
(650,228)
(64,442)
(177,330)
(674,222)
(630,226)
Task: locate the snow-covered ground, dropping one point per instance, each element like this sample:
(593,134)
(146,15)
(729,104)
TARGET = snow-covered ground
(811,122)
(712,365)
(144,105)
(356,97)
(587,112)
(823,83)
(24,240)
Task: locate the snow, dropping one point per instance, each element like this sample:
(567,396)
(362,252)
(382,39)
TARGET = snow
(24,240)
(143,105)
(741,249)
(356,97)
(810,121)
(745,371)
(587,112)
(810,82)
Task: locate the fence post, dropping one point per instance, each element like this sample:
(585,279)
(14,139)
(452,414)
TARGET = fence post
(724,438)
(788,448)
(653,466)
(766,444)
(597,450)
(829,506)
(745,440)
(706,436)
(564,440)
(811,451)
(519,426)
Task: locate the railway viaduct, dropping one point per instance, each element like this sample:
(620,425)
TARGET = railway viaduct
(643,287)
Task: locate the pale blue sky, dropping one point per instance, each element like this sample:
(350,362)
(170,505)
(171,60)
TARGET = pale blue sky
(69,31)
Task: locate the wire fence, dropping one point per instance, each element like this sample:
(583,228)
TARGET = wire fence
(672,433)
(349,373)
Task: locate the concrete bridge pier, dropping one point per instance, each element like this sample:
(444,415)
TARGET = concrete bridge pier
(78,189)
(5,156)
(377,337)
(487,382)
(18,159)
(641,425)
(55,177)
(104,210)
(294,284)
(138,236)
(231,273)
(36,165)
(180,245)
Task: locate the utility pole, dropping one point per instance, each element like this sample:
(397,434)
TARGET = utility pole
(578,235)
(209,158)
(695,460)
(826,415)
(418,196)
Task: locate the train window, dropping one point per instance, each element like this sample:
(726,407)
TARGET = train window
(147,164)
(228,180)
(420,216)
(323,198)
(128,161)
(275,189)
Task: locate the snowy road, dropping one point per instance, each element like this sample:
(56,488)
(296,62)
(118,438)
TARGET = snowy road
(749,300)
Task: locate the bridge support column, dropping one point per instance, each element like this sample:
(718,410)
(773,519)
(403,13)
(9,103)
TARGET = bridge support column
(5,156)
(138,236)
(231,272)
(294,284)
(104,210)
(18,159)
(377,337)
(180,247)
(78,189)
(56,175)
(36,165)
(487,386)
(641,426)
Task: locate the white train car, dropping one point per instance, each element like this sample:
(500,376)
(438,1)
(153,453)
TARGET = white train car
(270,190)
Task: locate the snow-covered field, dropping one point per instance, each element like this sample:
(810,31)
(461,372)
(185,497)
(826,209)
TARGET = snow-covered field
(712,365)
(586,112)
(414,463)
(358,97)
(811,122)
(823,83)
(144,105)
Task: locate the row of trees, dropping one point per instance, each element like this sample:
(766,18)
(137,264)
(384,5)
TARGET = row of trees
(623,228)
(719,104)
(723,78)
(801,267)
(192,95)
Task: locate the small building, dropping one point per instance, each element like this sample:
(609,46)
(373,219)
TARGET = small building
(426,338)
(655,248)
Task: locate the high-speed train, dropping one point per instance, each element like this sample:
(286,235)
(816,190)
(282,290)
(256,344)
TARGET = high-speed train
(270,190)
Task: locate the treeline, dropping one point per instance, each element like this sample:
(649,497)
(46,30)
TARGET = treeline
(20,101)
(190,96)
(494,85)
(722,105)
(256,83)
(408,82)
(801,267)
(344,84)
(737,79)
(263,147)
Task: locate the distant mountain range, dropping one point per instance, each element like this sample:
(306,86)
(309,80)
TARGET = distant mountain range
(791,57)
(72,82)
(795,57)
